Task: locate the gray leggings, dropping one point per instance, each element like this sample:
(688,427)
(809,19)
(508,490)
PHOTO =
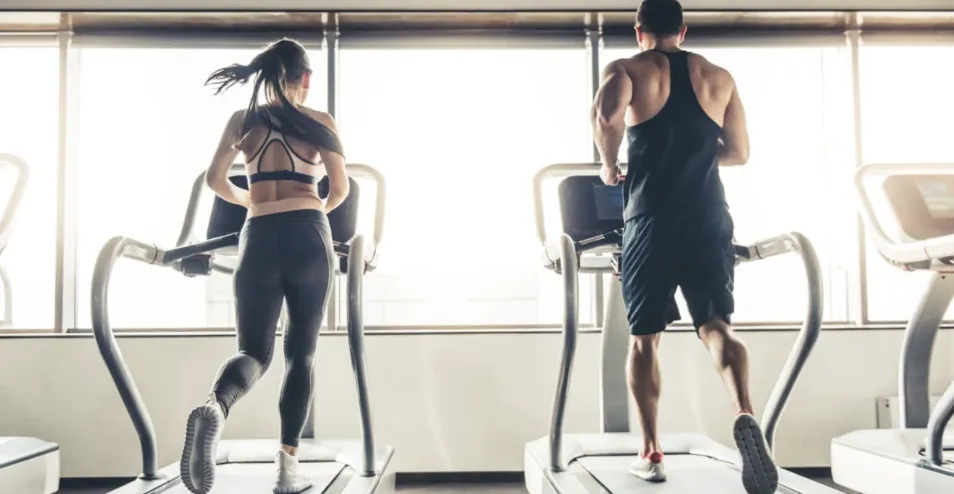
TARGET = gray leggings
(284,256)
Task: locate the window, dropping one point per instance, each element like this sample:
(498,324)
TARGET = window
(147,128)
(29,97)
(797,102)
(911,125)
(459,135)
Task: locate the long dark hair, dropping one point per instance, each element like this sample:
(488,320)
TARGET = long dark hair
(282,63)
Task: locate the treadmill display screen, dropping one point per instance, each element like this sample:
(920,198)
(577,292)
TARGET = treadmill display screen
(609,202)
(938,196)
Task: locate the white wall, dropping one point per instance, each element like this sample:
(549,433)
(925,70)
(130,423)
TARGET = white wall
(447,402)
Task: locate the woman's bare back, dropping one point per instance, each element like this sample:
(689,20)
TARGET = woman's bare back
(267,151)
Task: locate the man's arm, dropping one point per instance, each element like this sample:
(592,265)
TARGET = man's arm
(734,149)
(338,184)
(217,175)
(609,111)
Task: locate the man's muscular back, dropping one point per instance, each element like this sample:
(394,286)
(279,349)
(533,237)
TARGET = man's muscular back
(649,73)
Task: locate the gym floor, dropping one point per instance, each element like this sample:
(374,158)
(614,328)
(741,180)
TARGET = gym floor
(512,488)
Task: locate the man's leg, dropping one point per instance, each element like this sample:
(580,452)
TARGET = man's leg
(650,306)
(707,284)
(644,384)
(731,359)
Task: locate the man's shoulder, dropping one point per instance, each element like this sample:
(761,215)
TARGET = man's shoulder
(712,70)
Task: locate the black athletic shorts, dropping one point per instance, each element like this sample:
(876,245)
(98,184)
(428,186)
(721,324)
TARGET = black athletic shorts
(692,252)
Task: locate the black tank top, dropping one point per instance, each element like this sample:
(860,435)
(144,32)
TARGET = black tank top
(673,156)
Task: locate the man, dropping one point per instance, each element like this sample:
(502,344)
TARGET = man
(682,118)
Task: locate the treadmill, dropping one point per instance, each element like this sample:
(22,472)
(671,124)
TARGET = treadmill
(27,465)
(908,210)
(346,467)
(559,463)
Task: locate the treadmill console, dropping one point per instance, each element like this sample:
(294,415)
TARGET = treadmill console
(923,204)
(589,208)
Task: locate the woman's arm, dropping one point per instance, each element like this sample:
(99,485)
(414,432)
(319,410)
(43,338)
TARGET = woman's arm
(338,184)
(217,176)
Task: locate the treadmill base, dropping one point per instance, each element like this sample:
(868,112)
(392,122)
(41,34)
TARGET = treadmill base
(599,463)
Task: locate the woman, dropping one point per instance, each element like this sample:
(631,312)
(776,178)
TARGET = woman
(285,251)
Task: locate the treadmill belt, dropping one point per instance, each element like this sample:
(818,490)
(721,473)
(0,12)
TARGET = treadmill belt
(684,473)
(259,478)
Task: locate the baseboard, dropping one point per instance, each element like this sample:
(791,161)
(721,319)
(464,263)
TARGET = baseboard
(811,472)
(427,478)
(94,482)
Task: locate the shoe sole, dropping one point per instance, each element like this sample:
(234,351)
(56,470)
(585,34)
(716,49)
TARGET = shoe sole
(202,432)
(759,473)
(292,488)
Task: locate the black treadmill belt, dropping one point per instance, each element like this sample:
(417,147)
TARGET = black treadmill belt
(259,478)
(684,474)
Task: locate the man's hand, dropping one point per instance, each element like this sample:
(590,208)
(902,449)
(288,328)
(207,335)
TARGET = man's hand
(611,174)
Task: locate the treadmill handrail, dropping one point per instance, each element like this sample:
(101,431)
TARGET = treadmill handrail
(937,423)
(16,197)
(570,268)
(356,345)
(114,249)
(811,328)
(903,253)
(187,233)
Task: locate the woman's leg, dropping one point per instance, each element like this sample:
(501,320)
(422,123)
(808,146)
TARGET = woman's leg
(308,276)
(258,302)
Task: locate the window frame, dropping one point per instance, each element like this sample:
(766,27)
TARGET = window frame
(327,40)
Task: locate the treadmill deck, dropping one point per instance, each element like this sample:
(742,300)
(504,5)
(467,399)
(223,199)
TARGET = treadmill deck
(889,461)
(599,464)
(685,474)
(260,478)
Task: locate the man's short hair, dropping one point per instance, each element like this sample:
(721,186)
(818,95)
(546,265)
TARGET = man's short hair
(660,17)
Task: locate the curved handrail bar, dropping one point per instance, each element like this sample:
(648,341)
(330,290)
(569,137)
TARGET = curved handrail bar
(569,269)
(356,271)
(811,327)
(16,198)
(898,252)
(111,252)
(172,255)
(115,248)
(372,174)
(7,316)
(937,423)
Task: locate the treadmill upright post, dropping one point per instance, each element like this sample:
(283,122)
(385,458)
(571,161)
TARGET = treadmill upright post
(115,248)
(569,267)
(356,269)
(917,348)
(941,416)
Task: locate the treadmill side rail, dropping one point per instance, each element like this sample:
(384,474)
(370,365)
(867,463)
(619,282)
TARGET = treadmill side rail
(571,302)
(811,327)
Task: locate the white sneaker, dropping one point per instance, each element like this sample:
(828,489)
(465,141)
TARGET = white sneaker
(649,468)
(759,473)
(203,431)
(289,481)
